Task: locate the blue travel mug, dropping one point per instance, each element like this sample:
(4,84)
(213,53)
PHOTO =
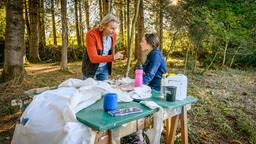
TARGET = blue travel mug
(110,102)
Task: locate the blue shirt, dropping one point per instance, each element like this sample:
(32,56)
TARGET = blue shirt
(153,68)
(106,48)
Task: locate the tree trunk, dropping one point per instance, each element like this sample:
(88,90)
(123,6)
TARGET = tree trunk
(77,24)
(157,16)
(26,17)
(105,7)
(80,22)
(131,38)
(136,51)
(121,21)
(140,32)
(233,58)
(34,34)
(53,23)
(87,12)
(161,24)
(42,42)
(186,61)
(125,23)
(64,58)
(216,53)
(14,41)
(26,38)
(171,46)
(225,52)
(128,23)
(101,9)
(195,58)
(110,6)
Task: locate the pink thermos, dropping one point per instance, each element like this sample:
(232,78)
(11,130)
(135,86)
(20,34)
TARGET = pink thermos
(139,76)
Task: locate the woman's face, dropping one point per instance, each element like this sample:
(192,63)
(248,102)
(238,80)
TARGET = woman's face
(144,45)
(110,28)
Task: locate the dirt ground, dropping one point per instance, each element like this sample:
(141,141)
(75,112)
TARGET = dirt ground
(224,113)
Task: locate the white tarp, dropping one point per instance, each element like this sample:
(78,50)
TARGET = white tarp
(50,118)
(154,134)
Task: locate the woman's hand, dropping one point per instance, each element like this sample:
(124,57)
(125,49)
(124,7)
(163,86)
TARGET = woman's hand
(118,55)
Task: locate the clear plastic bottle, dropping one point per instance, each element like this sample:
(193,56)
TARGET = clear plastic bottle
(163,84)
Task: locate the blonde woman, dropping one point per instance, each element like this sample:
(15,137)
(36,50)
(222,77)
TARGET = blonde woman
(100,49)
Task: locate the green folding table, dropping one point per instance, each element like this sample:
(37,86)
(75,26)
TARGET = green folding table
(172,122)
(95,117)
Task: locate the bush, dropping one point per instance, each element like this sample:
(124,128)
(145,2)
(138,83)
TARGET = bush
(53,54)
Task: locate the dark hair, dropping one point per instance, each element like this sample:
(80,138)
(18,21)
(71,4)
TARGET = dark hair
(152,39)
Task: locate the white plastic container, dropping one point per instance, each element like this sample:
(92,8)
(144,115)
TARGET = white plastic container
(179,81)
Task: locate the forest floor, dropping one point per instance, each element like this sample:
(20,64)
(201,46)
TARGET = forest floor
(224,113)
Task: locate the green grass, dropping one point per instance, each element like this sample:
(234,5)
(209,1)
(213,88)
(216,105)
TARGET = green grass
(225,109)
(223,113)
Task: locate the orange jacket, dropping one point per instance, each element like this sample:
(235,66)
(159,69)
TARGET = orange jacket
(94,43)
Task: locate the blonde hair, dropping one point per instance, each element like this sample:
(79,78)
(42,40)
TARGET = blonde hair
(107,19)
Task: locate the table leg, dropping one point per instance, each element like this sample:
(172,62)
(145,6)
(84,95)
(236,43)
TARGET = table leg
(115,137)
(184,127)
(102,138)
(168,128)
(110,137)
(174,123)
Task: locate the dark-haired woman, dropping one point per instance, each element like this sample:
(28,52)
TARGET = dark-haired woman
(153,68)
(155,64)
